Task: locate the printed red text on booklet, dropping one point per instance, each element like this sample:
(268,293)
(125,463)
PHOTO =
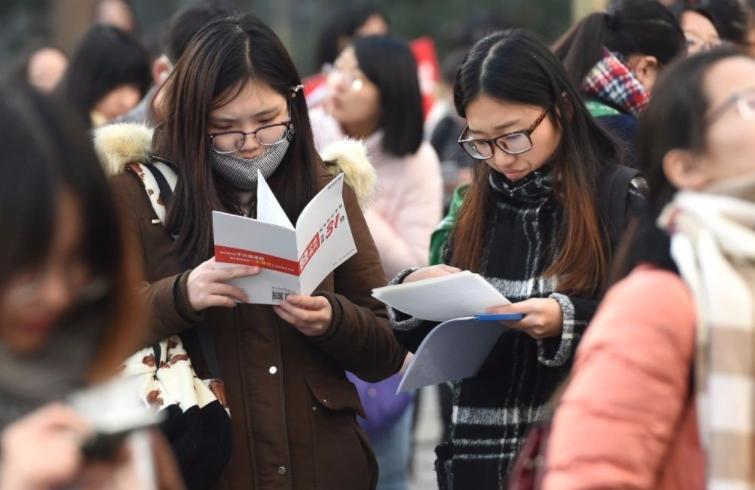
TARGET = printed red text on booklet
(293,259)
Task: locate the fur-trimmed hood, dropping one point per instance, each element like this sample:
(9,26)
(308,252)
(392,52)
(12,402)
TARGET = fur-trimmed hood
(117,145)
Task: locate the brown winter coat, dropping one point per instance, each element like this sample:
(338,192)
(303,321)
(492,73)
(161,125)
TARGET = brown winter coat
(292,408)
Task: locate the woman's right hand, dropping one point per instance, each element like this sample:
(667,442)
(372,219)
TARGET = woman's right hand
(430,272)
(207,288)
(43,449)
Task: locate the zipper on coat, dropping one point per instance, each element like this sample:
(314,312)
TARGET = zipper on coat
(282,388)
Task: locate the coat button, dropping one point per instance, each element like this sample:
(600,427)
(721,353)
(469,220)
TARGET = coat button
(281,470)
(324,401)
(314,408)
(272,370)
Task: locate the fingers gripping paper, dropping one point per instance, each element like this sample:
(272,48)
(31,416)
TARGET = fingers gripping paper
(294,260)
(442,298)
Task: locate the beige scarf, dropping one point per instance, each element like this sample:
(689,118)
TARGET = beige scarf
(713,244)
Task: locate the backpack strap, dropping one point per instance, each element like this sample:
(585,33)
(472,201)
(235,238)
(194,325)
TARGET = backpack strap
(159,180)
(613,187)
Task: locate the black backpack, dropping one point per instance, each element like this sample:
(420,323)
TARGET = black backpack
(613,189)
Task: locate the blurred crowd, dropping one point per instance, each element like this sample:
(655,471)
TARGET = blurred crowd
(603,183)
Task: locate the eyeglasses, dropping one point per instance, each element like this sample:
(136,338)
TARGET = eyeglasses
(743,101)
(233,141)
(351,79)
(514,143)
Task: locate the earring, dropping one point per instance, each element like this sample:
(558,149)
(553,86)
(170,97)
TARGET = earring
(295,90)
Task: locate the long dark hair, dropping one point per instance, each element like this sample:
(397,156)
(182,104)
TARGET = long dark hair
(674,119)
(221,58)
(47,152)
(728,16)
(389,64)
(643,27)
(105,59)
(516,67)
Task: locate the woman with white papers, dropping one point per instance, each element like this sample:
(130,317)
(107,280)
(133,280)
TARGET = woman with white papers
(546,209)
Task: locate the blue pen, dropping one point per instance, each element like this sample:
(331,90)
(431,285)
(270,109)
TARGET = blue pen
(505,317)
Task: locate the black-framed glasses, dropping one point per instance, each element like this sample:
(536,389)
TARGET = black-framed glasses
(232,141)
(514,143)
(744,102)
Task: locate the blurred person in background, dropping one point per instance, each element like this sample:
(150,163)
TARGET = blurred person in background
(234,107)
(116,13)
(69,312)
(730,18)
(699,28)
(180,29)
(375,97)
(43,68)
(615,58)
(443,125)
(108,75)
(660,396)
(346,23)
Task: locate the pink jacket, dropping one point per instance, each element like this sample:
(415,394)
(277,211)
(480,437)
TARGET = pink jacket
(408,200)
(627,420)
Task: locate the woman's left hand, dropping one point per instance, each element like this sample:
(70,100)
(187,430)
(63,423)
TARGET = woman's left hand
(543,317)
(311,315)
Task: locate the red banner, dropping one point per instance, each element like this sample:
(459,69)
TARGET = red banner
(247,257)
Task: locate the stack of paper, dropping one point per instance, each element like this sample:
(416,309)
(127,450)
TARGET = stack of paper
(442,298)
(456,348)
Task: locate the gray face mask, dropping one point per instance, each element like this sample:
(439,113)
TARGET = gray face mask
(241,173)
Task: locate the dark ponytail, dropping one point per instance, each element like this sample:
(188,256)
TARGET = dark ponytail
(642,27)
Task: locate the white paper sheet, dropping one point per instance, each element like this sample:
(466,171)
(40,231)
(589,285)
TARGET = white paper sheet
(442,298)
(293,260)
(269,209)
(453,350)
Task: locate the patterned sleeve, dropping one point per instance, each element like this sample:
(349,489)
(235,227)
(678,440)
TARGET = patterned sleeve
(577,313)
(409,331)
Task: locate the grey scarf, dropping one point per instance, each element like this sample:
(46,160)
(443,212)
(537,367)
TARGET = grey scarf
(241,173)
(29,381)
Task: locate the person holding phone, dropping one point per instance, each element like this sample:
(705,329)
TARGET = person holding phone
(533,225)
(235,106)
(69,313)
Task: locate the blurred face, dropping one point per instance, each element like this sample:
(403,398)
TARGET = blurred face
(489,118)
(700,32)
(46,68)
(355,100)
(730,139)
(34,301)
(115,13)
(118,102)
(375,25)
(255,106)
